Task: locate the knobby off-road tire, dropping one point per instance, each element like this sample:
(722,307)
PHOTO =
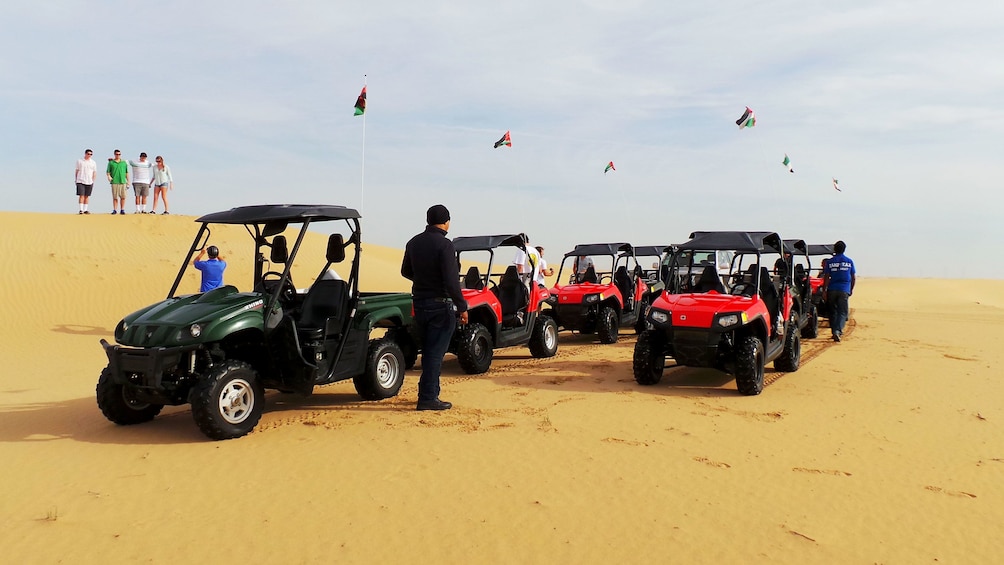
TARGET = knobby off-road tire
(228,402)
(118,405)
(474,348)
(749,366)
(606,326)
(384,373)
(544,339)
(649,357)
(791,355)
(811,329)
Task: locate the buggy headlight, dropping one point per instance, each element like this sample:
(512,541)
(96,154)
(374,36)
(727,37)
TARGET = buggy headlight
(660,317)
(195,330)
(591,298)
(729,320)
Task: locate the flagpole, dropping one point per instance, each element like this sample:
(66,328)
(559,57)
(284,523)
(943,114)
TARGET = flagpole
(362,173)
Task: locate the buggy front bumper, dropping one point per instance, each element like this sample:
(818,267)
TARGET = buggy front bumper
(145,367)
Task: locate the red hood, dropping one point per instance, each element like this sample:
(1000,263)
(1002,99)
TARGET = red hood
(573,293)
(699,310)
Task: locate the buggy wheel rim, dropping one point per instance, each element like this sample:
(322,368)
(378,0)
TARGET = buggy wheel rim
(550,336)
(131,401)
(236,401)
(387,369)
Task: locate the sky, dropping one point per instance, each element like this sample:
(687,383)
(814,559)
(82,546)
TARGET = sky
(251,102)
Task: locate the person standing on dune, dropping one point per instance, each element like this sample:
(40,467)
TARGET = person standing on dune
(117,172)
(142,176)
(84,175)
(162,182)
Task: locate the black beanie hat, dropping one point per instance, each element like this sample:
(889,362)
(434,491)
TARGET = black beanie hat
(437,214)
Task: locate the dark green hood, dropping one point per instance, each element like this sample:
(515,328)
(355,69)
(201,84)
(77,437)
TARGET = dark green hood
(218,313)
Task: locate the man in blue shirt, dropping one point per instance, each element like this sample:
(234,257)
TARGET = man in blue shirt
(838,284)
(212,270)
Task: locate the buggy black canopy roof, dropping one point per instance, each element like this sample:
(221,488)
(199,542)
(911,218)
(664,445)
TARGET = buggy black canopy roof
(485,242)
(795,246)
(584,249)
(288,213)
(646,250)
(820,249)
(740,241)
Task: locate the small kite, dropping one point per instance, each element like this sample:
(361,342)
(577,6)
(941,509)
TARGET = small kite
(835,187)
(505,140)
(610,167)
(360,107)
(787,163)
(747,120)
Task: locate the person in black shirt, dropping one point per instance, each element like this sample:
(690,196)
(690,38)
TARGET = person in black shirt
(430,263)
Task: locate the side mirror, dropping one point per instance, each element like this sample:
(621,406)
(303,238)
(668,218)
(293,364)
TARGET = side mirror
(336,248)
(279,252)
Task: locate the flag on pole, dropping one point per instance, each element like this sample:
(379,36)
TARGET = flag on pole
(610,167)
(360,107)
(787,163)
(747,120)
(505,140)
(837,188)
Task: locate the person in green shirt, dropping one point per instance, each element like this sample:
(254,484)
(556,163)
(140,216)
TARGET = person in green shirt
(118,175)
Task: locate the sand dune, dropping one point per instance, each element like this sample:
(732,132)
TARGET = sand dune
(885,448)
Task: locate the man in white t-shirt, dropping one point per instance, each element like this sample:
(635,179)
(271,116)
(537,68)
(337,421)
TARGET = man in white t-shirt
(527,262)
(84,175)
(142,176)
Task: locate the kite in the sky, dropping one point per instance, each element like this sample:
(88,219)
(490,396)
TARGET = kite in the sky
(787,164)
(610,167)
(837,188)
(360,107)
(505,140)
(747,120)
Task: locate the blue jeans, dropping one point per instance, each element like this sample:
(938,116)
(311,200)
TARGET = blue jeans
(838,311)
(437,321)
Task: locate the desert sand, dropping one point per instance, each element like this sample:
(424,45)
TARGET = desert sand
(885,448)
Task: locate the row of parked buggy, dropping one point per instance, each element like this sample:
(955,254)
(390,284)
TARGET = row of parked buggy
(711,301)
(708,302)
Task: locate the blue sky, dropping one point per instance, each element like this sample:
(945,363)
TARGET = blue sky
(251,102)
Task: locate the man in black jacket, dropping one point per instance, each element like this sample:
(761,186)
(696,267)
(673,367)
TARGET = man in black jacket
(430,263)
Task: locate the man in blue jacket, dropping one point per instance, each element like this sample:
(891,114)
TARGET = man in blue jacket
(838,284)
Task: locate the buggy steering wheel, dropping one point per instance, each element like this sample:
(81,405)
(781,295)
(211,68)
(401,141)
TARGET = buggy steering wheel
(268,280)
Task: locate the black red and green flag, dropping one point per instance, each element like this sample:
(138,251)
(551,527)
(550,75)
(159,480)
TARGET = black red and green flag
(747,120)
(360,107)
(505,140)
(610,167)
